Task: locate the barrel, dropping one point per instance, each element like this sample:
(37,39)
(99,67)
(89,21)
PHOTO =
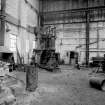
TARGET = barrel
(31,78)
(97,81)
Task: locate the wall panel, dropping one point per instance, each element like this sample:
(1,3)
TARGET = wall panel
(12,7)
(32,18)
(23,13)
(20,10)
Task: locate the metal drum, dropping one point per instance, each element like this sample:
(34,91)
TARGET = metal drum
(31,78)
(98,81)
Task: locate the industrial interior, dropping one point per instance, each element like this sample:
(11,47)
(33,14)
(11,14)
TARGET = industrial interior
(52,52)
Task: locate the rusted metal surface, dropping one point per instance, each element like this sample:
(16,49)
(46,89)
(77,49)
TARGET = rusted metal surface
(31,78)
(97,81)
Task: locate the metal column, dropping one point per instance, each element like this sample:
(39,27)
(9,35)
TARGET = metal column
(98,40)
(2,22)
(87,36)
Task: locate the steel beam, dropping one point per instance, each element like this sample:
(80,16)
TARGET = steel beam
(87,38)
(2,22)
(73,10)
(55,15)
(98,41)
(57,23)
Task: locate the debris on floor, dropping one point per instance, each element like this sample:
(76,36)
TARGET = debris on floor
(69,87)
(9,88)
(4,68)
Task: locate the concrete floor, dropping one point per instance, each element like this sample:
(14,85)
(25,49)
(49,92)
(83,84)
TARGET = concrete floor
(68,87)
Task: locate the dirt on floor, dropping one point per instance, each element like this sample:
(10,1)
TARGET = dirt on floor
(68,87)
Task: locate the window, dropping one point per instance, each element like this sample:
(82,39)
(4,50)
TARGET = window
(12,42)
(34,44)
(27,46)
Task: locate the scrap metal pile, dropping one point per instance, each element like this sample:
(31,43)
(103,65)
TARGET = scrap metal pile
(4,68)
(6,94)
(97,78)
(9,84)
